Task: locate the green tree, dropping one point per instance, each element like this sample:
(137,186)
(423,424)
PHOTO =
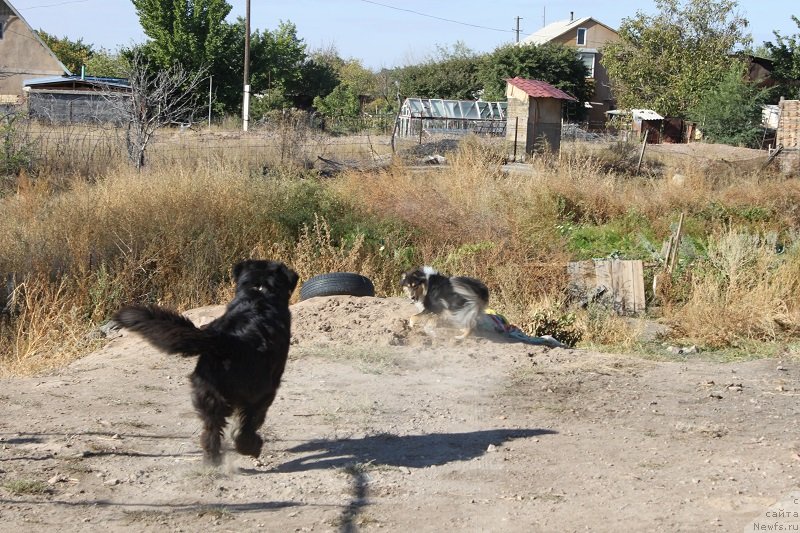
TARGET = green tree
(190,33)
(668,61)
(317,78)
(341,102)
(109,64)
(730,112)
(276,60)
(74,54)
(357,77)
(450,74)
(785,54)
(555,64)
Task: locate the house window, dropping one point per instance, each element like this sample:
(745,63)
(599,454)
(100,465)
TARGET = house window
(2,26)
(581,41)
(588,60)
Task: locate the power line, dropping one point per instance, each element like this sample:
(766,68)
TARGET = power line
(54,5)
(437,18)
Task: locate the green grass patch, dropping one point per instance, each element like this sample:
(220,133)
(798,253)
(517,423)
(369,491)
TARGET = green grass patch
(26,486)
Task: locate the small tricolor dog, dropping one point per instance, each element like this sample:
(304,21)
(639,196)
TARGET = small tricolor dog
(459,299)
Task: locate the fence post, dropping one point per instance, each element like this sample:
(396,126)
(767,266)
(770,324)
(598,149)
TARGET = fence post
(641,154)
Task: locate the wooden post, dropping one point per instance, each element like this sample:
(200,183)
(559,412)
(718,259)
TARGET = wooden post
(673,251)
(641,154)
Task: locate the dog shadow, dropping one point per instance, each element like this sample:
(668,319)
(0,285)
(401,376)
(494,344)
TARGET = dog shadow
(411,451)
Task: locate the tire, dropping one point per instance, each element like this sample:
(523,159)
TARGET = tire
(337,283)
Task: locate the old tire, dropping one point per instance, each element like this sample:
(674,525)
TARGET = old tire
(337,283)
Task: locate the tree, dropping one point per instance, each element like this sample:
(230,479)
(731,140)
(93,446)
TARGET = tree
(73,54)
(553,63)
(450,74)
(785,54)
(730,112)
(317,78)
(157,97)
(276,59)
(190,33)
(668,61)
(108,64)
(341,102)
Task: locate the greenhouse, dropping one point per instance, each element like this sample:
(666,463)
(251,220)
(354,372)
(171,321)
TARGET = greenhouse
(420,116)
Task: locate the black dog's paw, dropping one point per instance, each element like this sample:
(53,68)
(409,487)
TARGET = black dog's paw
(249,444)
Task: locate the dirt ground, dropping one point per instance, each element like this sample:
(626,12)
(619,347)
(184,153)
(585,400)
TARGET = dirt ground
(380,428)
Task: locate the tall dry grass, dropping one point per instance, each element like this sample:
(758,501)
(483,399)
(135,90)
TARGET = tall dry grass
(742,291)
(78,247)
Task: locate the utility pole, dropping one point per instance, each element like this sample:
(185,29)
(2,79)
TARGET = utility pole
(517,30)
(246,103)
(210,84)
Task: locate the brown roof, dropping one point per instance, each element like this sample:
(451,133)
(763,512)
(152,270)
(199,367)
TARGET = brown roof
(539,89)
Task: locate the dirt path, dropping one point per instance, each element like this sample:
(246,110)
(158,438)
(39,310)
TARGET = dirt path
(376,428)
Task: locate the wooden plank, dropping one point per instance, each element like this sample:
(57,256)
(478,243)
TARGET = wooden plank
(637,276)
(623,281)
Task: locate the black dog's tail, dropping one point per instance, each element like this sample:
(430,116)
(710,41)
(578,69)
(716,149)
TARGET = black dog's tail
(165,329)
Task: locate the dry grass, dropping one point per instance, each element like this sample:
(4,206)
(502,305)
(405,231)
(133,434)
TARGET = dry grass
(80,246)
(743,291)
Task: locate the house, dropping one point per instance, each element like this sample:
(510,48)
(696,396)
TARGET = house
(588,36)
(22,54)
(534,115)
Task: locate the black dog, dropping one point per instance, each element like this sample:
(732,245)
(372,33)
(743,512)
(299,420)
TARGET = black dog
(242,353)
(459,299)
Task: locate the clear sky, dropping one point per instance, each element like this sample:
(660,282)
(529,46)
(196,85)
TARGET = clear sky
(382,33)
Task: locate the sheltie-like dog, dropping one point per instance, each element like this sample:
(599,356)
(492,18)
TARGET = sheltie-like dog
(459,299)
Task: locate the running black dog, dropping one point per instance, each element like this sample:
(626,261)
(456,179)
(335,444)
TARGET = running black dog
(242,354)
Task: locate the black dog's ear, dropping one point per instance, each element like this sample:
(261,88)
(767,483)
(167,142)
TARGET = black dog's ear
(291,276)
(238,268)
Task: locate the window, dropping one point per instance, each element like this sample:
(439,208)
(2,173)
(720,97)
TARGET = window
(581,37)
(2,25)
(588,61)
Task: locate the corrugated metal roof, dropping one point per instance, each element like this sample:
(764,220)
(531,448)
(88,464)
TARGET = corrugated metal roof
(86,80)
(645,114)
(553,30)
(637,114)
(539,89)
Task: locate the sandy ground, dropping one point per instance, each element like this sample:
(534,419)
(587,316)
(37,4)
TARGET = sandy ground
(380,428)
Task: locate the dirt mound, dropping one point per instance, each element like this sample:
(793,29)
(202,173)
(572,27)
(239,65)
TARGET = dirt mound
(351,320)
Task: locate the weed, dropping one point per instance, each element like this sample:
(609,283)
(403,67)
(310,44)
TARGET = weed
(26,486)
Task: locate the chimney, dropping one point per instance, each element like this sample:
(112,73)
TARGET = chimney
(571,16)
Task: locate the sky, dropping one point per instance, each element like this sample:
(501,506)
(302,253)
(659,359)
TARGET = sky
(382,33)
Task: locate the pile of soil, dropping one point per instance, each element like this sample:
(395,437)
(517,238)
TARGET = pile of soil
(380,427)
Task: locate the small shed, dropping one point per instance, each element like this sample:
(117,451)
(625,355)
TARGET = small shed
(788,135)
(534,115)
(647,121)
(642,121)
(75,98)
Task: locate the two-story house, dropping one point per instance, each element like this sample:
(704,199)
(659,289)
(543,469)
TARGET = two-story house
(588,36)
